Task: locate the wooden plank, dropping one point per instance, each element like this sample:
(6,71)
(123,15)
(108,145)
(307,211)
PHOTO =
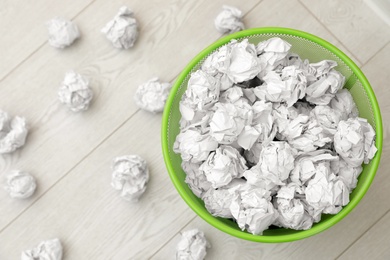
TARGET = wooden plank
(23,28)
(381,8)
(374,244)
(354,24)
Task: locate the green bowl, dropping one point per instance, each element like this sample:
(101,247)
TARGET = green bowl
(309,47)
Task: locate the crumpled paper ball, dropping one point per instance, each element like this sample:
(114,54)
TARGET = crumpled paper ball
(272,54)
(242,63)
(253,210)
(215,66)
(202,92)
(229,120)
(218,201)
(195,179)
(275,164)
(262,123)
(62,32)
(289,123)
(325,88)
(194,146)
(287,87)
(346,173)
(306,165)
(151,95)
(46,250)
(326,192)
(223,165)
(313,137)
(75,92)
(231,95)
(130,176)
(20,185)
(229,20)
(344,103)
(122,31)
(354,141)
(192,246)
(291,209)
(13,132)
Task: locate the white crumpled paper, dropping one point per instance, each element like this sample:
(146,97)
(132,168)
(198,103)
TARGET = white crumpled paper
(201,94)
(313,137)
(289,122)
(122,31)
(130,176)
(75,92)
(218,201)
(327,118)
(306,165)
(229,20)
(194,146)
(262,128)
(20,185)
(151,95)
(62,32)
(346,173)
(195,178)
(272,54)
(222,166)
(354,141)
(215,66)
(291,209)
(13,132)
(287,87)
(229,120)
(243,63)
(326,192)
(275,164)
(344,103)
(192,246)
(231,95)
(252,209)
(328,82)
(46,250)
(266,138)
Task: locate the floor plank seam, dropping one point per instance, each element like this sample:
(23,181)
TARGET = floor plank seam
(40,46)
(376,53)
(329,31)
(359,237)
(166,243)
(70,170)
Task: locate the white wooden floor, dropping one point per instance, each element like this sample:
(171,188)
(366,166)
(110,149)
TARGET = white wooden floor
(70,154)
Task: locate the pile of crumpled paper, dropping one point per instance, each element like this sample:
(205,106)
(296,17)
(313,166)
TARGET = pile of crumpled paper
(267,138)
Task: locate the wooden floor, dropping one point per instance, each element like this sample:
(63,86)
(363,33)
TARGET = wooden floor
(70,154)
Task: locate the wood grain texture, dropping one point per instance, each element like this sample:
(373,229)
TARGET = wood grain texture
(374,244)
(89,216)
(292,14)
(354,24)
(114,75)
(23,29)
